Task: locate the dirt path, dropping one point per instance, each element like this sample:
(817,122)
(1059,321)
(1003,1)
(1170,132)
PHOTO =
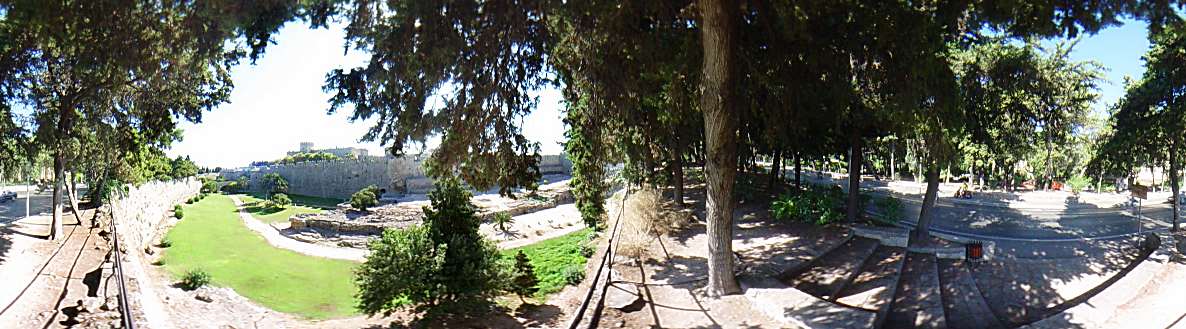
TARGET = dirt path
(280,241)
(526,229)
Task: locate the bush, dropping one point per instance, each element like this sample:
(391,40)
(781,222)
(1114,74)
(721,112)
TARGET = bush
(645,217)
(523,280)
(274,183)
(1078,183)
(818,205)
(501,220)
(209,185)
(890,209)
(194,279)
(443,262)
(573,275)
(165,243)
(365,198)
(177,212)
(280,200)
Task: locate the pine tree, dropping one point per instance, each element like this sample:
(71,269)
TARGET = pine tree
(524,282)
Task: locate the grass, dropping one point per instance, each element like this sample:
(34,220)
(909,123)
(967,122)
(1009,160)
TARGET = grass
(211,238)
(307,201)
(551,257)
(266,215)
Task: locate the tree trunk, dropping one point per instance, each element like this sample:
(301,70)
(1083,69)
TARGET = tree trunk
(718,32)
(893,174)
(677,173)
(798,170)
(922,234)
(55,230)
(854,175)
(1174,182)
(1049,163)
(775,169)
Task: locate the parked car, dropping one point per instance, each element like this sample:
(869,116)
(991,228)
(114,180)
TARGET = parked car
(6,196)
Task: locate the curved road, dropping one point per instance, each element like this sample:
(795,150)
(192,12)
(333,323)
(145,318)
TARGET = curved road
(1041,219)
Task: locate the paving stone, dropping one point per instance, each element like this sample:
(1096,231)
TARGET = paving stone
(799,309)
(874,287)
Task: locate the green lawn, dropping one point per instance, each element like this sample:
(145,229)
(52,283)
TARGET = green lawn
(254,206)
(551,257)
(211,237)
(307,201)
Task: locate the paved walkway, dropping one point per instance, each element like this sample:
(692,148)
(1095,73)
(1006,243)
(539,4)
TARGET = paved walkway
(280,241)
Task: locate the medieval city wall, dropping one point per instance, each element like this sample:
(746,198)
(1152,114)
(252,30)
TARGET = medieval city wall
(340,179)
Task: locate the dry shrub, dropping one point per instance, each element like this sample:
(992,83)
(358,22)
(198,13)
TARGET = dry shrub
(645,216)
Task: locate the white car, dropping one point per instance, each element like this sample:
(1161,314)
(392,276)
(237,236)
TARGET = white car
(6,196)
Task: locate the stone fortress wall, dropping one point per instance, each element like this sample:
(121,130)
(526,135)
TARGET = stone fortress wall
(341,178)
(138,213)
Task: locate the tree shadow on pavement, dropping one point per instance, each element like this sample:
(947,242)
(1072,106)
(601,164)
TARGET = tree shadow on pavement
(5,244)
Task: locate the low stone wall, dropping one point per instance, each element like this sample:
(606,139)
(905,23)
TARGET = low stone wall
(138,213)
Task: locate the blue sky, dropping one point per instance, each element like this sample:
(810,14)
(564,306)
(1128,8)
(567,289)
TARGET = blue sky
(278,103)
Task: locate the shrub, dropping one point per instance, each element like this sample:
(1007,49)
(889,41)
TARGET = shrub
(209,185)
(165,243)
(501,220)
(194,279)
(890,209)
(440,263)
(523,280)
(574,274)
(1078,183)
(274,183)
(177,212)
(279,200)
(818,205)
(365,198)
(645,216)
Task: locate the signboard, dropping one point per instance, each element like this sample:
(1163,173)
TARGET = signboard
(1139,191)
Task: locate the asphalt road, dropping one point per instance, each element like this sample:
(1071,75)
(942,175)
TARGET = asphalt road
(13,210)
(1072,221)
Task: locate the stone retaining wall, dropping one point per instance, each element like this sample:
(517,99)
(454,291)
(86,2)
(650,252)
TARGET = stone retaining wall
(340,179)
(138,213)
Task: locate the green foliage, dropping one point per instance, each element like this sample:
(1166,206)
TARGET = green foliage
(183,167)
(365,198)
(501,220)
(890,209)
(444,262)
(274,183)
(209,185)
(1078,183)
(178,212)
(523,280)
(279,201)
(573,274)
(818,205)
(194,279)
(165,242)
(400,271)
(309,156)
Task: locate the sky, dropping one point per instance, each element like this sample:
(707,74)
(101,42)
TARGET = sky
(277,102)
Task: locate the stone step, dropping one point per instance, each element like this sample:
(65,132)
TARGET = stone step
(798,309)
(874,288)
(963,303)
(918,301)
(832,271)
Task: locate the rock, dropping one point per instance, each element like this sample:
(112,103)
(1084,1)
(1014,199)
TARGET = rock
(203,297)
(622,296)
(90,304)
